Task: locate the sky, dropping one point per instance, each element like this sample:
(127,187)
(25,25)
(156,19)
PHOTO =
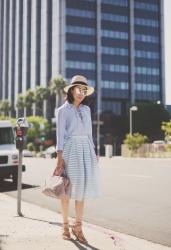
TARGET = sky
(167,27)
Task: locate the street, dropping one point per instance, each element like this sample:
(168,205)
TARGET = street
(135,195)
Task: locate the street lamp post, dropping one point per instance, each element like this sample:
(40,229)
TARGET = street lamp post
(133,108)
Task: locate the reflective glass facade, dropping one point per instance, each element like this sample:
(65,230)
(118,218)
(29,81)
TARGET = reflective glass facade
(148,68)
(117,44)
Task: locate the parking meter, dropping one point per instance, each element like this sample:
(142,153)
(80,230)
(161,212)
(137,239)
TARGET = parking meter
(20,129)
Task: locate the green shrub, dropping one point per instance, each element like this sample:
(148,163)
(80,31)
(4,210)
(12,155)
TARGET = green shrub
(30,146)
(166,127)
(135,141)
(168,147)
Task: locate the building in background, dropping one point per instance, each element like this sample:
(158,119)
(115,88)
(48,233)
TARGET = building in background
(117,44)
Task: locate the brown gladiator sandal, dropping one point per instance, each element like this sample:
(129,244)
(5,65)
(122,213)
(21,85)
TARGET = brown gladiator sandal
(77,231)
(66,234)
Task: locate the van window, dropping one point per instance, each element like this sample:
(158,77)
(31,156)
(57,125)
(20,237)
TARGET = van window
(6,136)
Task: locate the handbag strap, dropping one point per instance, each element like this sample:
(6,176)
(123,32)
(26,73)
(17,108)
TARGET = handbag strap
(63,172)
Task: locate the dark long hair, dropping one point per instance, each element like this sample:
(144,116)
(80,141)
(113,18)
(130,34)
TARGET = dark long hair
(70,97)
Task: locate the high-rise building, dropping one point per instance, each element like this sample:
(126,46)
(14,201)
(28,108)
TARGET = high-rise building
(117,44)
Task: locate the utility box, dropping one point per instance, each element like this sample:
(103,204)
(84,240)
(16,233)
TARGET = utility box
(108,150)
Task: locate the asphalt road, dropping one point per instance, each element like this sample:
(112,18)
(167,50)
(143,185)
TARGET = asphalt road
(136,195)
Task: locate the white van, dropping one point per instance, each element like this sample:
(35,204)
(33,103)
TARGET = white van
(8,153)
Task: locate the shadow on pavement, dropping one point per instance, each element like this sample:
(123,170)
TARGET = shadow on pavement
(77,244)
(1,241)
(7,185)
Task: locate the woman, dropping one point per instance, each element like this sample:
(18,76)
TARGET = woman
(75,152)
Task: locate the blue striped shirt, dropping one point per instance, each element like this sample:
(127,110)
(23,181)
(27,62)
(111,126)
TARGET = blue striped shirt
(69,122)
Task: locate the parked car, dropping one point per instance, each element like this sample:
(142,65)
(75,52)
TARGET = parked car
(159,145)
(27,153)
(8,153)
(49,152)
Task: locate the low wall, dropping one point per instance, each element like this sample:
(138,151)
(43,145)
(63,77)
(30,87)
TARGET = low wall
(146,150)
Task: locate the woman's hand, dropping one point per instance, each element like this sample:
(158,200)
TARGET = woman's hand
(59,168)
(97,157)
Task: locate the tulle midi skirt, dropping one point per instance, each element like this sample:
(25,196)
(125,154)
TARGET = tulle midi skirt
(82,167)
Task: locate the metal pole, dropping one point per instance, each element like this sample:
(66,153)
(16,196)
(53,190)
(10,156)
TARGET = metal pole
(98,133)
(98,41)
(19,186)
(130,121)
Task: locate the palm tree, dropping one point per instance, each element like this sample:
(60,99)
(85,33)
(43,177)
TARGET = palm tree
(56,87)
(20,103)
(5,107)
(29,99)
(41,96)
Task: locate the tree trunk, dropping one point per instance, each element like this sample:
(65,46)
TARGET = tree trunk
(44,108)
(57,100)
(61,97)
(16,113)
(25,112)
(34,109)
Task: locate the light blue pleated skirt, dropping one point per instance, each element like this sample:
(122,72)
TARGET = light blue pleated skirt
(82,167)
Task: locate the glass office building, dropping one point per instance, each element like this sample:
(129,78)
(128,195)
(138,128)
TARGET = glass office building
(117,44)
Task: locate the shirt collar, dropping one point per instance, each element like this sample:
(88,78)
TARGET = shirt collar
(70,105)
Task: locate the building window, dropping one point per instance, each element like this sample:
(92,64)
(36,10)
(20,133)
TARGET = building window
(80,30)
(147,87)
(80,47)
(80,65)
(115,68)
(115,34)
(146,38)
(114,85)
(146,54)
(146,22)
(80,13)
(147,71)
(113,106)
(116,2)
(115,51)
(146,6)
(116,18)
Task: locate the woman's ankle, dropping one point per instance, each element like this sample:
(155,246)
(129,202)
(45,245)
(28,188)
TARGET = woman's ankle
(78,223)
(66,222)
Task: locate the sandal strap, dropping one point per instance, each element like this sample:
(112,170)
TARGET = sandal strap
(78,224)
(78,231)
(66,232)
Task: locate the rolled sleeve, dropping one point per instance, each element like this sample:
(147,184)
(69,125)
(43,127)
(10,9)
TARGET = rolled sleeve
(60,128)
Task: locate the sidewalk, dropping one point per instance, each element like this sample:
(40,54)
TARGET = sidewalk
(40,229)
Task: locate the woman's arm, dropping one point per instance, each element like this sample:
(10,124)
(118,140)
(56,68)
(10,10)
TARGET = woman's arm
(60,132)
(90,128)
(60,128)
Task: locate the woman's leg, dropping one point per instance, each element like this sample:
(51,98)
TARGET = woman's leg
(79,209)
(65,209)
(77,227)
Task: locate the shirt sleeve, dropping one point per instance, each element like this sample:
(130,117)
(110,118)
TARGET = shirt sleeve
(90,129)
(60,128)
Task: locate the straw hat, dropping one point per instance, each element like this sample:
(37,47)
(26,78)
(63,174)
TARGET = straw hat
(79,80)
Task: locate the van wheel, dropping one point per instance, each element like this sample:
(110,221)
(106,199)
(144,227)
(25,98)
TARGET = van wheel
(15,179)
